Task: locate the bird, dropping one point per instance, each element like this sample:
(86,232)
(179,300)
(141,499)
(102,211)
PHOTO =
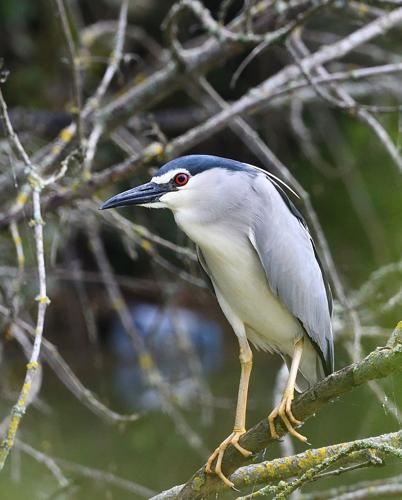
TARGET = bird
(258,254)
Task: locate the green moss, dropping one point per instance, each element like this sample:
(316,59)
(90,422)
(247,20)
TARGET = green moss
(198,483)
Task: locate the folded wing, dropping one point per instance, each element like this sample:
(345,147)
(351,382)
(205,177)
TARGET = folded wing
(294,274)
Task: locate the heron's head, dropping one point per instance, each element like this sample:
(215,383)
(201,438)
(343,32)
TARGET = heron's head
(194,182)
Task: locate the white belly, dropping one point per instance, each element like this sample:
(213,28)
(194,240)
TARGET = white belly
(240,279)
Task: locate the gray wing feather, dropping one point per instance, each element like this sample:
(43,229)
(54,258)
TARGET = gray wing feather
(287,253)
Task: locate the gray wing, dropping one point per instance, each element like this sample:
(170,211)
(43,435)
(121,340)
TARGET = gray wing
(286,250)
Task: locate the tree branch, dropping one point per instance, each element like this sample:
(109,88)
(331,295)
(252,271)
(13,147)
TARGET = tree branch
(251,102)
(378,364)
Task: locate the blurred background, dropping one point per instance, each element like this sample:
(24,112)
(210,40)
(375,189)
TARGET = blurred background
(131,318)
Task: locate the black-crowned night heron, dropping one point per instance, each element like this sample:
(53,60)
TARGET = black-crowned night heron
(258,253)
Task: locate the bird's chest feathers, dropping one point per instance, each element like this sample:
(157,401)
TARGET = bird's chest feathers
(237,273)
(228,253)
(232,262)
(220,244)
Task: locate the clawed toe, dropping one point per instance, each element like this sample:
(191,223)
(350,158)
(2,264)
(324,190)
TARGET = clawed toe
(218,454)
(243,451)
(289,413)
(284,411)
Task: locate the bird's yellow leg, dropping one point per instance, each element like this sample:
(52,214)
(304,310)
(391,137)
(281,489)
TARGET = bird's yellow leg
(284,409)
(246,362)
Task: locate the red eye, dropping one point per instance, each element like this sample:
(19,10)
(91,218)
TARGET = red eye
(181,179)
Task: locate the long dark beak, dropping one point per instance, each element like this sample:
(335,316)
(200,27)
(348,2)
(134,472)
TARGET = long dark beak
(147,193)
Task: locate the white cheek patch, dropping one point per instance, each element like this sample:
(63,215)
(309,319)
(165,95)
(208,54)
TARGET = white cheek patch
(169,199)
(165,178)
(175,200)
(155,204)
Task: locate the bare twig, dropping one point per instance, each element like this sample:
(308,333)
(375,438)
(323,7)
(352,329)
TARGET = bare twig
(146,363)
(56,465)
(69,379)
(114,59)
(75,64)
(42,299)
(44,459)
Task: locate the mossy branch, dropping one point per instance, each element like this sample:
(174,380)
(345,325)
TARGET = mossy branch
(380,363)
(307,465)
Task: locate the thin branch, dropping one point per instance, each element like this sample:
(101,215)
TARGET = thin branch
(221,33)
(145,236)
(75,69)
(114,60)
(362,488)
(157,152)
(199,60)
(146,363)
(343,100)
(68,377)
(42,299)
(33,365)
(19,335)
(44,459)
(96,475)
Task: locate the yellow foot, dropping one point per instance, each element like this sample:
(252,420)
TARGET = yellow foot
(284,410)
(233,439)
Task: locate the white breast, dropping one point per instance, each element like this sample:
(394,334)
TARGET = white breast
(239,277)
